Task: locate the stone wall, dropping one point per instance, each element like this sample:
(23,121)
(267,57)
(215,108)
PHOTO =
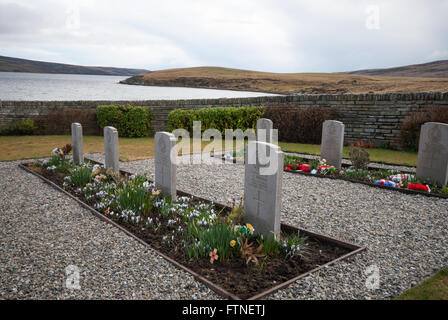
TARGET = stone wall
(375,117)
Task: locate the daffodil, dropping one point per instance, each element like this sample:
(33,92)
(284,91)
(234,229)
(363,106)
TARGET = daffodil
(232,243)
(250,227)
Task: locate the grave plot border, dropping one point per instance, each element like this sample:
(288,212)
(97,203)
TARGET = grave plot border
(405,191)
(355,249)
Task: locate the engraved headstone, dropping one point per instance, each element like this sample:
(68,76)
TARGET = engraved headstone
(263,187)
(165,163)
(332,143)
(111,148)
(78,155)
(432,165)
(265,130)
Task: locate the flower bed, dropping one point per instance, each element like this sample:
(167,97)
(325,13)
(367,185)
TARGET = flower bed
(391,179)
(194,233)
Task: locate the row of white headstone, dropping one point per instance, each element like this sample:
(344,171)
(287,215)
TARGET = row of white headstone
(262,192)
(110,146)
(432,163)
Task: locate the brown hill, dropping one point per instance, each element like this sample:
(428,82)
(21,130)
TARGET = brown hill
(436,69)
(8,64)
(285,83)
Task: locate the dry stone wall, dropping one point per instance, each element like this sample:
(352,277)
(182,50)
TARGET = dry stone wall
(374,117)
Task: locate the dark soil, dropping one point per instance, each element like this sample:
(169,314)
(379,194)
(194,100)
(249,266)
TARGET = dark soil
(232,275)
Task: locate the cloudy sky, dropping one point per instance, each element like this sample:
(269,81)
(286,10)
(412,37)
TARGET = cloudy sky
(265,35)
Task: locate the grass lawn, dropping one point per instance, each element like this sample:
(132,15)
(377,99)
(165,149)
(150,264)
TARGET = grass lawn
(25,147)
(435,288)
(376,155)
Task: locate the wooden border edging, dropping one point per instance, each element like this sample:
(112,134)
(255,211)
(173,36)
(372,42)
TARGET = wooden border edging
(217,289)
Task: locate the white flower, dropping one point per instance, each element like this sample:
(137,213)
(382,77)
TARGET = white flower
(51,168)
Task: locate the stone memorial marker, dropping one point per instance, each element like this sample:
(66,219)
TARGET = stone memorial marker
(111,148)
(432,164)
(265,130)
(263,187)
(332,143)
(78,156)
(165,163)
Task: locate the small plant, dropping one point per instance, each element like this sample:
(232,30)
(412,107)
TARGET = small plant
(18,128)
(360,157)
(81,176)
(249,254)
(295,246)
(236,216)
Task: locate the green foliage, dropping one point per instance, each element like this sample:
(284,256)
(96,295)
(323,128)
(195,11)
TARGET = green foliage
(271,246)
(219,118)
(134,196)
(81,176)
(19,128)
(199,243)
(294,245)
(291,160)
(130,121)
(62,165)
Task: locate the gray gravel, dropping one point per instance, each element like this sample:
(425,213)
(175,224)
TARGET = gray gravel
(42,232)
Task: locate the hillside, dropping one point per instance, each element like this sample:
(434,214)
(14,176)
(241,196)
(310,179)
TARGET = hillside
(285,83)
(8,64)
(436,69)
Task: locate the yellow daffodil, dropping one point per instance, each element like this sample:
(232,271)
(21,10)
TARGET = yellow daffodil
(250,227)
(232,243)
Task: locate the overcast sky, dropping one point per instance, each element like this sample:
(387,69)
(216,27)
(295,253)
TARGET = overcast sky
(265,35)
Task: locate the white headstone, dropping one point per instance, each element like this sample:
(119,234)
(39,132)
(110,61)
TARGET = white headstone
(77,151)
(263,187)
(332,143)
(111,148)
(432,165)
(265,130)
(165,163)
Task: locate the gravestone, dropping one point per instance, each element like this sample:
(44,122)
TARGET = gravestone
(78,155)
(265,130)
(263,187)
(165,163)
(332,143)
(432,164)
(111,148)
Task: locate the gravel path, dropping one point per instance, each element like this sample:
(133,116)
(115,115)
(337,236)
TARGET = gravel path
(42,232)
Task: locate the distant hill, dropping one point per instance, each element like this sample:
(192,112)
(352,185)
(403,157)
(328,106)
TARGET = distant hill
(8,64)
(285,83)
(436,69)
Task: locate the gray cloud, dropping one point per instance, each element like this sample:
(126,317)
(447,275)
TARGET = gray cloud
(283,36)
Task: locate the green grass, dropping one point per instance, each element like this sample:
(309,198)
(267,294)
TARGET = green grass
(26,147)
(376,155)
(435,288)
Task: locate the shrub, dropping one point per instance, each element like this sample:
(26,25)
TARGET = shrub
(299,124)
(360,157)
(60,121)
(19,128)
(130,121)
(410,128)
(219,118)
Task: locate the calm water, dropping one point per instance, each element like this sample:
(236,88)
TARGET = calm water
(39,86)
